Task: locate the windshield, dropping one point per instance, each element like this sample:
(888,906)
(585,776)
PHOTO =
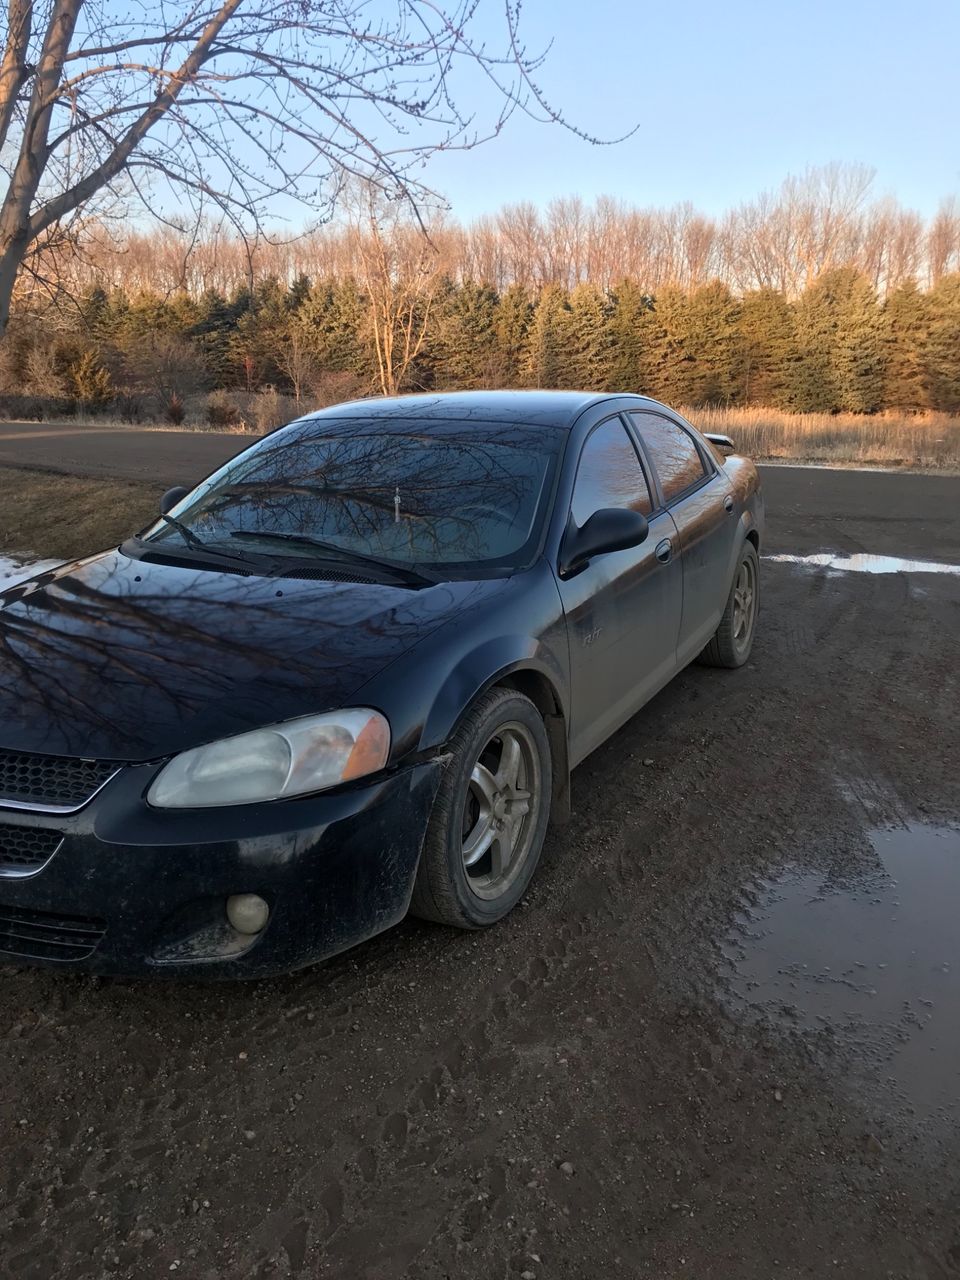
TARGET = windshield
(424,493)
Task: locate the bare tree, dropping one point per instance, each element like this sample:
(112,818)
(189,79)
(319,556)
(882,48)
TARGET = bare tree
(401,272)
(777,241)
(943,241)
(230,104)
(296,358)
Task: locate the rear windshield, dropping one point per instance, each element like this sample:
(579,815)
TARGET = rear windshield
(420,493)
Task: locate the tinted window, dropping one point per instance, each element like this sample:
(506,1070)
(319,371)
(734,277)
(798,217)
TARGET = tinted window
(609,475)
(416,492)
(675,456)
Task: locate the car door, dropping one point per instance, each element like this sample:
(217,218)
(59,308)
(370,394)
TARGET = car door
(623,608)
(693,491)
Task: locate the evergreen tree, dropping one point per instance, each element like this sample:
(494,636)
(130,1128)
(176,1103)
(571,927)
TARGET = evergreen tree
(464,348)
(768,347)
(590,339)
(211,332)
(665,363)
(94,309)
(858,352)
(813,384)
(714,346)
(335,317)
(513,318)
(299,292)
(547,347)
(943,345)
(906,315)
(839,345)
(629,317)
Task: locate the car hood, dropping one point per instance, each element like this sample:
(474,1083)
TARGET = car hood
(120,659)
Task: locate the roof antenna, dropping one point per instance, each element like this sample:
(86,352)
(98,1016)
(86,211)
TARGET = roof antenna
(396,505)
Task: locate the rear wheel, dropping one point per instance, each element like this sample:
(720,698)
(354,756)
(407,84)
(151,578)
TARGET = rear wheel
(490,816)
(733,638)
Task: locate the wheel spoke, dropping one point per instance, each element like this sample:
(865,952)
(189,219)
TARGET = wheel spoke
(485,784)
(500,849)
(479,840)
(510,760)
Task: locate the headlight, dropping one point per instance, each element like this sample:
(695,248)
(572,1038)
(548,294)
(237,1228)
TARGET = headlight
(290,759)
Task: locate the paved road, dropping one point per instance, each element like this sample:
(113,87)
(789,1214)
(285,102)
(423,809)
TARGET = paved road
(166,457)
(581,1091)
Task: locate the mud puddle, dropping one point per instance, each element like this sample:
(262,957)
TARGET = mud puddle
(863,563)
(875,959)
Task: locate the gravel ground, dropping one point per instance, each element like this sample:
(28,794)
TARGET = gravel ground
(586,1090)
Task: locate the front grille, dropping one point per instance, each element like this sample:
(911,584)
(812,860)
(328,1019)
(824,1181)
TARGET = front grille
(41,935)
(24,850)
(55,782)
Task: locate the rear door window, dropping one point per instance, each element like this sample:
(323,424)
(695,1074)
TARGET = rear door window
(674,453)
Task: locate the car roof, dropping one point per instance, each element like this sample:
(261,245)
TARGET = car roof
(557,409)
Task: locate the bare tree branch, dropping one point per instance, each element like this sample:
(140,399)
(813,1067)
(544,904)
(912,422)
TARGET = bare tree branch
(237,102)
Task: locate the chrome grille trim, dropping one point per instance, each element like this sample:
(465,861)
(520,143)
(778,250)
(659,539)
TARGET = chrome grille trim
(21,806)
(33,782)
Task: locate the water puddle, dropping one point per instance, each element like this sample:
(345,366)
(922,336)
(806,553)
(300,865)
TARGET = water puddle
(862,563)
(14,571)
(876,960)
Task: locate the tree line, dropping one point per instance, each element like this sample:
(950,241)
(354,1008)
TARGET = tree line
(784,239)
(837,346)
(811,298)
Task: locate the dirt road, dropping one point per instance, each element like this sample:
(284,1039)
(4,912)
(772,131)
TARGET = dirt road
(636,1075)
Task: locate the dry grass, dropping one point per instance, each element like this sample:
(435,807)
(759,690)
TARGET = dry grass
(57,516)
(928,442)
(109,422)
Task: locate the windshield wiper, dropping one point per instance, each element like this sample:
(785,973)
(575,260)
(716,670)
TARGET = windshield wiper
(185,532)
(341,553)
(193,542)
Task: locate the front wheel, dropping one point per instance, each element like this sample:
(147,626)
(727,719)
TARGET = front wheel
(733,639)
(490,816)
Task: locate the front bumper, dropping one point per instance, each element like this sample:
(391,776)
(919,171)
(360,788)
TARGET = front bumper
(133,890)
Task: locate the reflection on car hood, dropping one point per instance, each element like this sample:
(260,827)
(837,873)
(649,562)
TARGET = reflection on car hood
(114,658)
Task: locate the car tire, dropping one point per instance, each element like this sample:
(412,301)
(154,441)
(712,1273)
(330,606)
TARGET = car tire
(473,871)
(733,639)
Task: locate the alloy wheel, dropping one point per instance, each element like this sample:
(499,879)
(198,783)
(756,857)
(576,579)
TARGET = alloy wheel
(500,810)
(744,604)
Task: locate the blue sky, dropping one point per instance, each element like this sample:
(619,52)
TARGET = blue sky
(730,98)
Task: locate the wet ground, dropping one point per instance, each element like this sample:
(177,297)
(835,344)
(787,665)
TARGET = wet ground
(860,562)
(682,1057)
(873,957)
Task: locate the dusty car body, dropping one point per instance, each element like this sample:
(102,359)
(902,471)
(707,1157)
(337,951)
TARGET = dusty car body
(566,555)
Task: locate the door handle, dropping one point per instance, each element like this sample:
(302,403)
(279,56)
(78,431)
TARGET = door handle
(664,551)
(728,504)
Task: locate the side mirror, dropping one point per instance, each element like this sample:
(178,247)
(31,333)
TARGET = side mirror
(172,497)
(612,529)
(724,443)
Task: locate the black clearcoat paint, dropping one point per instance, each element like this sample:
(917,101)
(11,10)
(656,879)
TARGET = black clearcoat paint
(119,657)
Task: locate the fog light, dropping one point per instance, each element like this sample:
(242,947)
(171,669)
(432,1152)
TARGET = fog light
(247,912)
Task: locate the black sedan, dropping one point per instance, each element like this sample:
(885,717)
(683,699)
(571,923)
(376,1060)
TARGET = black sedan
(347,675)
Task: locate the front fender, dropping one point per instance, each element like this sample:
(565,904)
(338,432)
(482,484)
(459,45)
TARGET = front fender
(518,627)
(480,667)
